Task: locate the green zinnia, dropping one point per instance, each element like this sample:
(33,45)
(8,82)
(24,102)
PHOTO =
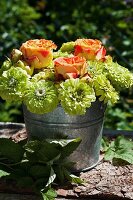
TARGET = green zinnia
(104,90)
(95,67)
(59,53)
(119,76)
(41,97)
(76,96)
(67,47)
(13,82)
(47,74)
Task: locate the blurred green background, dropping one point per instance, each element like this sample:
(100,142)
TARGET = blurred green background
(61,21)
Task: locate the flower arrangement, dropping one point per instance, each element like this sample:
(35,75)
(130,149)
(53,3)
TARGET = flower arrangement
(76,75)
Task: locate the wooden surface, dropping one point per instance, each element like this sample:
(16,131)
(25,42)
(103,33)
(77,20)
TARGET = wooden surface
(105,181)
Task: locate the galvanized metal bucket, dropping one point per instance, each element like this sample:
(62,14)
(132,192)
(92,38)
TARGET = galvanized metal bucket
(59,125)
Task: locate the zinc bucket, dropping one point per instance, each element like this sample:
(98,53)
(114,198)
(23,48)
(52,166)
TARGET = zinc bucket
(59,125)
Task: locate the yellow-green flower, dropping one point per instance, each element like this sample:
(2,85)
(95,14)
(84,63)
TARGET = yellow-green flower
(76,96)
(41,97)
(13,83)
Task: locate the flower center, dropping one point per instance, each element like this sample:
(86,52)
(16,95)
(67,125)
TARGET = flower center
(79,92)
(40,92)
(12,82)
(78,95)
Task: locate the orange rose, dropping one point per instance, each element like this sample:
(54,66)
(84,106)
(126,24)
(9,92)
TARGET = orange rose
(72,67)
(90,49)
(38,53)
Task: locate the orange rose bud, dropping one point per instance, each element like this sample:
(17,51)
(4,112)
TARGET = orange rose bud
(72,67)
(90,49)
(38,53)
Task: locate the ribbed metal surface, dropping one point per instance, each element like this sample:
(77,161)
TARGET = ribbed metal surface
(59,125)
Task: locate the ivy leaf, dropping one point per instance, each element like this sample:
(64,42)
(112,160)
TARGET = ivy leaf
(48,152)
(32,146)
(60,167)
(59,173)
(76,179)
(40,183)
(125,154)
(3,173)
(72,178)
(42,151)
(41,162)
(11,150)
(123,142)
(121,149)
(60,142)
(39,170)
(109,154)
(51,178)
(104,144)
(16,174)
(49,195)
(70,147)
(26,181)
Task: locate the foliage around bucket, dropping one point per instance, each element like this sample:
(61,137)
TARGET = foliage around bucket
(32,167)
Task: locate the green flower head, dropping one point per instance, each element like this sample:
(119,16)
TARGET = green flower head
(5,66)
(13,83)
(41,97)
(47,75)
(60,54)
(67,47)
(104,90)
(95,67)
(76,96)
(119,76)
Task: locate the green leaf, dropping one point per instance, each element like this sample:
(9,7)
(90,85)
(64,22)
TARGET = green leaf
(51,178)
(72,178)
(60,168)
(40,183)
(32,157)
(3,173)
(112,144)
(121,148)
(33,146)
(42,151)
(70,147)
(48,152)
(104,144)
(59,142)
(26,181)
(49,195)
(123,142)
(41,164)
(39,170)
(109,154)
(13,151)
(76,179)
(17,174)
(59,173)
(125,154)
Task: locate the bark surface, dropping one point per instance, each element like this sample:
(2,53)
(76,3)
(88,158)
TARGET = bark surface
(105,181)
